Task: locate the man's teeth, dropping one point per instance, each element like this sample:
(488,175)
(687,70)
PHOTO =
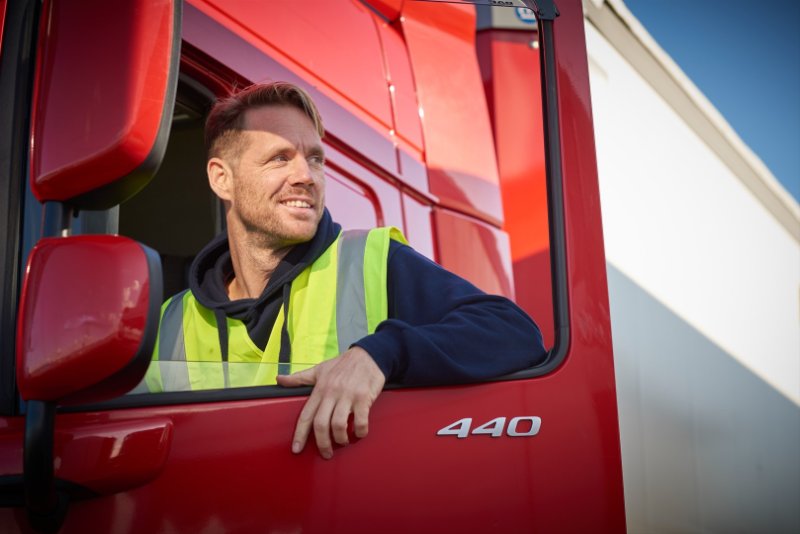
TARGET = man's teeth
(297,204)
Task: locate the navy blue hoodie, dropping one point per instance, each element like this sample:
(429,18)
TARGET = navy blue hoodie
(441,329)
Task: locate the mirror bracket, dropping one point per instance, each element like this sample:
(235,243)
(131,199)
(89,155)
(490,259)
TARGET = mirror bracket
(46,508)
(57,219)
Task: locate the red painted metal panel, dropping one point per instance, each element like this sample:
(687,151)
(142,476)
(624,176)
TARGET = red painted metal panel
(348,59)
(419,226)
(590,324)
(459,148)
(510,67)
(400,476)
(474,250)
(99,95)
(388,8)
(401,85)
(412,169)
(83,312)
(350,205)
(109,457)
(251,57)
(407,132)
(371,182)
(389,197)
(104,457)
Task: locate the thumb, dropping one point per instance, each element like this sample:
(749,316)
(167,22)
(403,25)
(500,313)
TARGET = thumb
(300,378)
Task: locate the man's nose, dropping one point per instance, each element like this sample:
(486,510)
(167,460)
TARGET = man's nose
(301,172)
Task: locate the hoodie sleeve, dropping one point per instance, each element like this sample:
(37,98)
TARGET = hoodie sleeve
(442,329)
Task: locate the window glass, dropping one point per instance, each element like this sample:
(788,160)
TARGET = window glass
(176,214)
(504,252)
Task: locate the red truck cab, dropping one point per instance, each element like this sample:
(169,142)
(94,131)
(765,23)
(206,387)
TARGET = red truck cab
(473,136)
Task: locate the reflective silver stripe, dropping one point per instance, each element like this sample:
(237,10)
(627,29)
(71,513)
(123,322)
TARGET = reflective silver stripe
(351,307)
(174,376)
(171,347)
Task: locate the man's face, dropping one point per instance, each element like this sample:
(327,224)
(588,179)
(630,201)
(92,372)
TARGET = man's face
(278,188)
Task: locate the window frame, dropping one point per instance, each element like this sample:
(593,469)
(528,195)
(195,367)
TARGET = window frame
(17,56)
(556,223)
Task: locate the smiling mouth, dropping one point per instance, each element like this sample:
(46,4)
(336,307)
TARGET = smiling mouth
(296,204)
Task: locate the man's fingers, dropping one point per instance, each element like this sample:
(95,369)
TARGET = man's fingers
(361,419)
(304,423)
(300,378)
(347,384)
(339,422)
(322,428)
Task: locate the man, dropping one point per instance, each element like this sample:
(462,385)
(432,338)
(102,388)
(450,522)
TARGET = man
(285,286)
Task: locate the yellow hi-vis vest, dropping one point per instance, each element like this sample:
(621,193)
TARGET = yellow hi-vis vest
(333,302)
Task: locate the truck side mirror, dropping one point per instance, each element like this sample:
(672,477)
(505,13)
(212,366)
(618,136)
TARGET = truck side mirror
(104,90)
(88,318)
(87,326)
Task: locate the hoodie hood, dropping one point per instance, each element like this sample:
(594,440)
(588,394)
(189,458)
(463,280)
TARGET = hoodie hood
(212,270)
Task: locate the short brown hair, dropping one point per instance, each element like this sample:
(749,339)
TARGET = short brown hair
(226,118)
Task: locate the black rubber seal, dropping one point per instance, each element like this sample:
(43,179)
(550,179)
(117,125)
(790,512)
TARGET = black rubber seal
(17,67)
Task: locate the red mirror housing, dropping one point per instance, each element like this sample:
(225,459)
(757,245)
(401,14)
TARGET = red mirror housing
(89,316)
(104,91)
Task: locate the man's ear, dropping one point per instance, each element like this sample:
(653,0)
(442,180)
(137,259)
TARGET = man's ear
(220,178)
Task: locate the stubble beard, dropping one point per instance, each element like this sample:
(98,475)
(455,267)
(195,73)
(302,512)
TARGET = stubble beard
(267,231)
(264,228)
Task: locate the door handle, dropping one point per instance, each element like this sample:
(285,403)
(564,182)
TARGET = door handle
(110,457)
(95,459)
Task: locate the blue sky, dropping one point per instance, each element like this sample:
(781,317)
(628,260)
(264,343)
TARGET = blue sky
(744,55)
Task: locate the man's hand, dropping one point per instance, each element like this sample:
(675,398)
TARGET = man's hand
(347,384)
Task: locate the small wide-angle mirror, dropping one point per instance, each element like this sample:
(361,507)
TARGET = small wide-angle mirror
(88,318)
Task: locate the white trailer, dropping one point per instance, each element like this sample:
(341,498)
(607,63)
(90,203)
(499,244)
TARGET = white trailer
(703,258)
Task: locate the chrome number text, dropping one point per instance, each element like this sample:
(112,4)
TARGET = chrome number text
(522,426)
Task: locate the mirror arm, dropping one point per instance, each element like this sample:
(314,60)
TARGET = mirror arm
(57,219)
(46,508)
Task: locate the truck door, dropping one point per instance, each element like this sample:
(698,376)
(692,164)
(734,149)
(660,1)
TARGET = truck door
(534,451)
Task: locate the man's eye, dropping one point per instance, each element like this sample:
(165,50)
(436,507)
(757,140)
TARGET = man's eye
(280,158)
(317,160)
